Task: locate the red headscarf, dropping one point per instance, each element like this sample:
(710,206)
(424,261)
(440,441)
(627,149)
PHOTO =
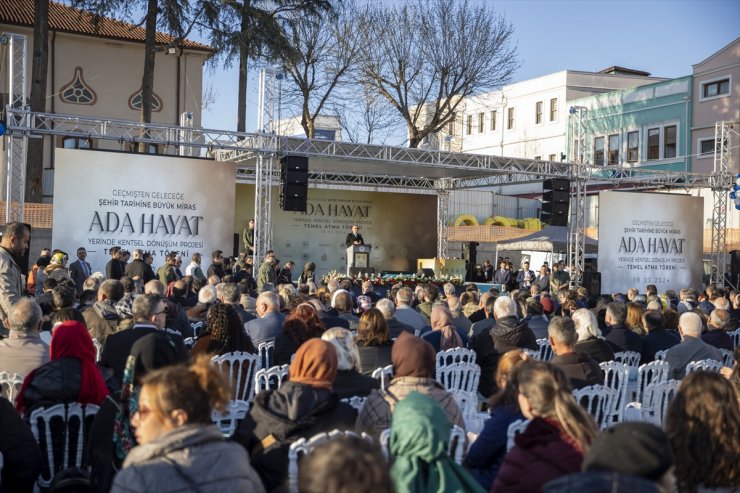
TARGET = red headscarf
(315,364)
(70,339)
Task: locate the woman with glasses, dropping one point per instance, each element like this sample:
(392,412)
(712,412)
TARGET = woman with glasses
(179,447)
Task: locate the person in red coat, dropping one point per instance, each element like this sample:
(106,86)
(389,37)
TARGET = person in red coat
(559,431)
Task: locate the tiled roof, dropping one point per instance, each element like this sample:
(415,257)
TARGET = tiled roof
(70,20)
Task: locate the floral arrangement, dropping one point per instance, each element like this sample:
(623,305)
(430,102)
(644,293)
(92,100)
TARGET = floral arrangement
(389,281)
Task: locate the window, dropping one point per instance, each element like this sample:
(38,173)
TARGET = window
(510,119)
(481,121)
(538,112)
(614,149)
(706,146)
(150,148)
(633,146)
(553,109)
(715,88)
(493,120)
(669,141)
(599,151)
(653,144)
(552,157)
(76,143)
(469,129)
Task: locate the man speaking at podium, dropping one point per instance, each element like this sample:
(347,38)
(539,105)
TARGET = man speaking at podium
(354,238)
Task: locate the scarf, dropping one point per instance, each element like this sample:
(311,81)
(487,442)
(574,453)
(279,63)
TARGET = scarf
(442,320)
(315,364)
(412,357)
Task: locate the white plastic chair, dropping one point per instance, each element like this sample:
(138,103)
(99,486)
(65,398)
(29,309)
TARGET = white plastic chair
(728,358)
(228,420)
(629,358)
(655,401)
(355,401)
(266,349)
(545,349)
(10,385)
(660,355)
(531,353)
(189,342)
(303,446)
(455,355)
(68,424)
(704,365)
(270,378)
(98,349)
(240,368)
(597,400)
(197,328)
(459,376)
(617,378)
(384,374)
(735,334)
(649,373)
(515,428)
(468,404)
(455,447)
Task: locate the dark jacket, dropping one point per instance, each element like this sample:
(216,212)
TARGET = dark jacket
(114,269)
(285,348)
(351,383)
(540,454)
(486,454)
(20,451)
(600,482)
(620,338)
(657,340)
(265,328)
(56,382)
(100,450)
(330,321)
(538,325)
(486,357)
(690,349)
(719,339)
(395,327)
(373,357)
(510,333)
(137,268)
(598,349)
(216,269)
(580,369)
(279,417)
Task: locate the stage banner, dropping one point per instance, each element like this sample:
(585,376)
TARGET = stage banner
(400,227)
(155,203)
(650,238)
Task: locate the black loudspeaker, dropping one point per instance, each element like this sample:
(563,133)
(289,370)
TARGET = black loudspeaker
(472,248)
(592,282)
(293,183)
(735,263)
(555,201)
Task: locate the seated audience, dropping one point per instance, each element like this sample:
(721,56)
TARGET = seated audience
(691,348)
(580,368)
(23,350)
(299,326)
(444,335)
(657,338)
(590,342)
(373,341)
(349,381)
(21,455)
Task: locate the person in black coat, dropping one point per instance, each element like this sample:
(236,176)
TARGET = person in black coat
(354,238)
(580,368)
(300,325)
(349,381)
(373,341)
(657,338)
(590,341)
(20,451)
(619,336)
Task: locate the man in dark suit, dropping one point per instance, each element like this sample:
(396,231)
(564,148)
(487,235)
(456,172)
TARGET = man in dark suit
(270,321)
(80,270)
(525,277)
(580,368)
(657,338)
(354,238)
(149,315)
(691,348)
(395,326)
(619,337)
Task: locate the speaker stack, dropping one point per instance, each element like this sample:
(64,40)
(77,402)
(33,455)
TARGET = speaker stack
(555,201)
(293,183)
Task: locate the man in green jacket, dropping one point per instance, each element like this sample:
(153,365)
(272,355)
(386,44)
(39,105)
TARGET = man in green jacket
(266,274)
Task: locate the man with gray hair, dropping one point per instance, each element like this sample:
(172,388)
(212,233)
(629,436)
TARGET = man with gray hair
(176,317)
(405,313)
(619,337)
(716,334)
(580,368)
(102,320)
(395,326)
(327,317)
(23,350)
(231,295)
(270,321)
(691,348)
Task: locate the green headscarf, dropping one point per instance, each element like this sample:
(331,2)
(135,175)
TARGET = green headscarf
(420,433)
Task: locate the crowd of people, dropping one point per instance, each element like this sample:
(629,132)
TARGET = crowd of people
(138,344)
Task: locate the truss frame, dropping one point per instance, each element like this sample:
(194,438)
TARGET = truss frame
(721,185)
(17,144)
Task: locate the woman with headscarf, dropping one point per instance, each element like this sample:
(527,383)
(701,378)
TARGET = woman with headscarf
(71,375)
(420,433)
(57,268)
(444,335)
(299,326)
(349,381)
(413,370)
(111,434)
(303,406)
(373,341)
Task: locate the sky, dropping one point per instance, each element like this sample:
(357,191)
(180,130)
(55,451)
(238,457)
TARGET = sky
(663,37)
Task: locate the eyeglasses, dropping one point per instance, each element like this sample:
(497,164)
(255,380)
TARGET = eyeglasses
(163,312)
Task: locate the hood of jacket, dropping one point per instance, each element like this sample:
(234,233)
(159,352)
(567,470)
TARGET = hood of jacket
(180,438)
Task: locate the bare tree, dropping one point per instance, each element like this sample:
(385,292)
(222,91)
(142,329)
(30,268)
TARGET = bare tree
(325,51)
(425,57)
(366,117)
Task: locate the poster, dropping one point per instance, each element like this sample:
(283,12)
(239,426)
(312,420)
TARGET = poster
(650,238)
(155,203)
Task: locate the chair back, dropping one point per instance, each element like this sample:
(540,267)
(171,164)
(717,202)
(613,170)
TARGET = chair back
(98,349)
(617,378)
(545,349)
(304,446)
(735,334)
(266,350)
(597,400)
(355,401)
(228,420)
(384,374)
(197,328)
(653,372)
(271,378)
(61,432)
(459,376)
(660,355)
(656,399)
(629,358)
(10,385)
(189,342)
(704,365)
(239,367)
(515,428)
(728,358)
(455,355)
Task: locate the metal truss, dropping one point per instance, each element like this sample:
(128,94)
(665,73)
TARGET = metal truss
(443,214)
(17,144)
(248,175)
(721,184)
(577,226)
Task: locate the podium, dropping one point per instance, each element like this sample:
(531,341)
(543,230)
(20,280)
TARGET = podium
(358,259)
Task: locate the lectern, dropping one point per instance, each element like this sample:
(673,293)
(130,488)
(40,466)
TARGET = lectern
(358,259)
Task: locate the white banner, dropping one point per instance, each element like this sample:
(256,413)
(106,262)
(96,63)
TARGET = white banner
(156,203)
(650,238)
